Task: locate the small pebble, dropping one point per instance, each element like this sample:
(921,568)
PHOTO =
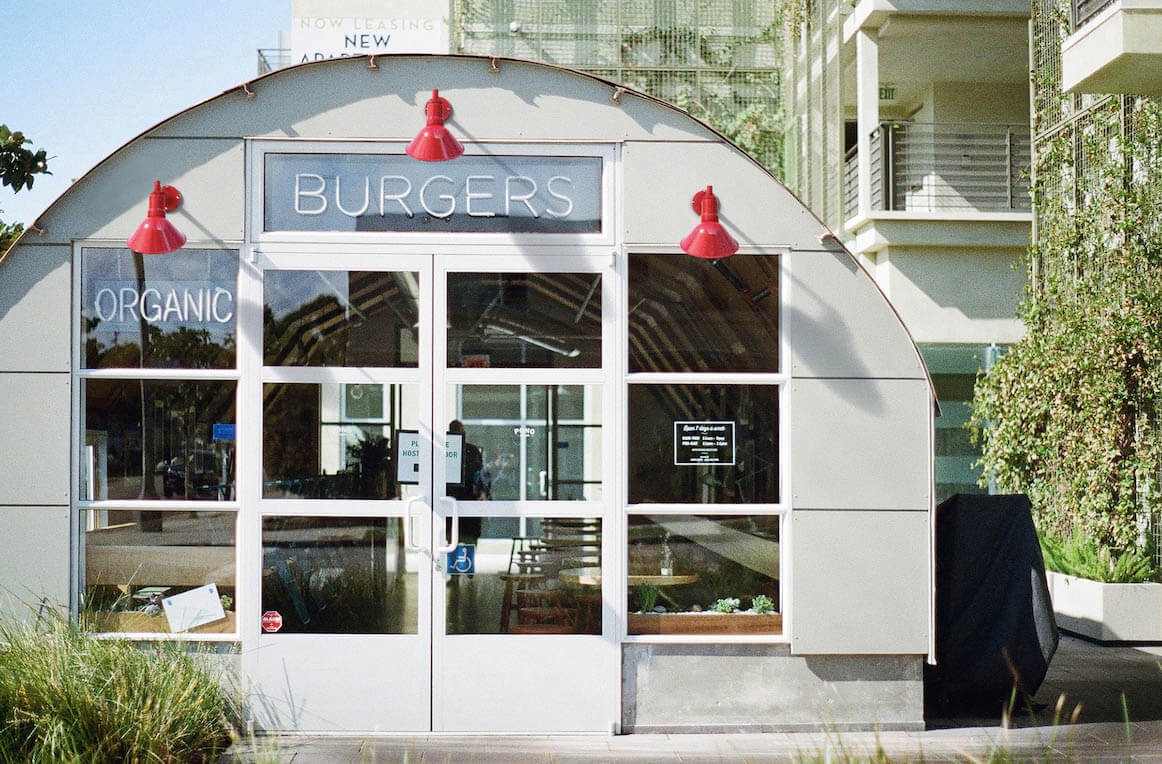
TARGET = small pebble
(659,608)
(696,608)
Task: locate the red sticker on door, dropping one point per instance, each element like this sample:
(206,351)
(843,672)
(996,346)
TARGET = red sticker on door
(271,620)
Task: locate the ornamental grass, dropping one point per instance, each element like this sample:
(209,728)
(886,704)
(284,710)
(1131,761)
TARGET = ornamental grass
(66,696)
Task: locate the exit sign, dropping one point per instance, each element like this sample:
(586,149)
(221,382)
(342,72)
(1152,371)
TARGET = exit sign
(887,92)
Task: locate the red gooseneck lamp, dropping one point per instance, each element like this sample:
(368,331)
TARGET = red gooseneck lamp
(709,239)
(435,143)
(156,235)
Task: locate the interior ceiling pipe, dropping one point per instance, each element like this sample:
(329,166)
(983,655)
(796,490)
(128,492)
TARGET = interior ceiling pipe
(709,239)
(156,235)
(435,143)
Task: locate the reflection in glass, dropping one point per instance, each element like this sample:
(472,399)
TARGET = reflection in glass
(552,451)
(159,311)
(134,560)
(340,318)
(339,575)
(542,576)
(524,320)
(334,440)
(741,469)
(687,314)
(149,439)
(683,569)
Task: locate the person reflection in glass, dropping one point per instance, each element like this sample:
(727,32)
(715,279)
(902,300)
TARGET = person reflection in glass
(474,484)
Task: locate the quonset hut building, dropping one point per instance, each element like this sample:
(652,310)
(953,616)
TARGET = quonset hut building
(470,445)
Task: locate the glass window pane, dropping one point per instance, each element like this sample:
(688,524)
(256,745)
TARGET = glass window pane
(689,314)
(704,574)
(704,444)
(553,452)
(954,369)
(339,575)
(340,318)
(315,447)
(526,576)
(159,311)
(524,320)
(135,562)
(149,439)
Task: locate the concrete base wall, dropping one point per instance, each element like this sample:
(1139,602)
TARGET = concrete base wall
(763,688)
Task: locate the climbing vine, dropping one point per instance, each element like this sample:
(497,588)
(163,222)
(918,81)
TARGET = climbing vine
(1072,415)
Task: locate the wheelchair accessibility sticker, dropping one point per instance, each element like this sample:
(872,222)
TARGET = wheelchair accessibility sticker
(463,560)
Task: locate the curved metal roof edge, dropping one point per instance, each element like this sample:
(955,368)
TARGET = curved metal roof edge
(828,234)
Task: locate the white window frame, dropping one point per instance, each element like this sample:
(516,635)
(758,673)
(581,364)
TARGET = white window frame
(80,506)
(781,509)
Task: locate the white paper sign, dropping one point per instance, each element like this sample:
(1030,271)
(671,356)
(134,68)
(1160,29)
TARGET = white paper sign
(407,457)
(407,464)
(193,608)
(453,457)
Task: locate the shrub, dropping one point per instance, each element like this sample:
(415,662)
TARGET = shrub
(1081,556)
(68,697)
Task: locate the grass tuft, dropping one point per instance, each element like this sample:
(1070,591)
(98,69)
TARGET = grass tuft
(68,697)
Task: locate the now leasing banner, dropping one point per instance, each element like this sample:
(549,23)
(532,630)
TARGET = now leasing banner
(393,192)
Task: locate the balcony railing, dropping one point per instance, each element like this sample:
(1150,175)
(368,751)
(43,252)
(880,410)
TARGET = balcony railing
(270,59)
(925,167)
(1083,10)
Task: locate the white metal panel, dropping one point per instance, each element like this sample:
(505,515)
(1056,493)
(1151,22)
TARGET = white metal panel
(860,444)
(340,682)
(35,305)
(112,200)
(839,324)
(521,101)
(34,560)
(660,180)
(34,417)
(860,582)
(520,683)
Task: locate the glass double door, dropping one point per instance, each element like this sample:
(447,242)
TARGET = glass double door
(432,499)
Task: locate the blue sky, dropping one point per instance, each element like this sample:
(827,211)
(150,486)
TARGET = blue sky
(83,77)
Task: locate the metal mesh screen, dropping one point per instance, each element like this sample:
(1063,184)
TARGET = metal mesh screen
(718,59)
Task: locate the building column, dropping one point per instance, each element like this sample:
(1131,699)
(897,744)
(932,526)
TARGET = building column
(867,104)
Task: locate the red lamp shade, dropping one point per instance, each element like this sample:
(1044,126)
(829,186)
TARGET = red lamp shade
(156,235)
(709,239)
(434,143)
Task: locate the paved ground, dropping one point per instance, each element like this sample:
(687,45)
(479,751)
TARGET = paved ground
(1093,675)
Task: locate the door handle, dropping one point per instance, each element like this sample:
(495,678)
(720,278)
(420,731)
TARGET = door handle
(407,526)
(455,540)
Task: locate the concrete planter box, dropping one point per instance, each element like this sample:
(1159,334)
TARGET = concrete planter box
(1107,612)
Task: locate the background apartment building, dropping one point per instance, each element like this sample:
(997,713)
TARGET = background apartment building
(908,133)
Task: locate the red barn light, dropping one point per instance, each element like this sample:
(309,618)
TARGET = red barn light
(156,235)
(709,239)
(434,143)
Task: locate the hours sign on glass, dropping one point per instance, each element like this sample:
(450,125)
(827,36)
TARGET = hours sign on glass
(701,443)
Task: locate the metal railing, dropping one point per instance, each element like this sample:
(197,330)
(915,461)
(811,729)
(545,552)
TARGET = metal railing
(851,183)
(926,167)
(270,59)
(1083,10)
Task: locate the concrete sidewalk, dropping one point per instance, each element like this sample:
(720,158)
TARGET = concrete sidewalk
(1093,675)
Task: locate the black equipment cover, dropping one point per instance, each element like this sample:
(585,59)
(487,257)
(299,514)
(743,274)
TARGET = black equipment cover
(994,619)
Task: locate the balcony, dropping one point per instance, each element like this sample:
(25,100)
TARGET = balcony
(1083,10)
(925,167)
(1116,47)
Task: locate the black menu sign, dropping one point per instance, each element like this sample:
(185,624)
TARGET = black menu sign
(703,443)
